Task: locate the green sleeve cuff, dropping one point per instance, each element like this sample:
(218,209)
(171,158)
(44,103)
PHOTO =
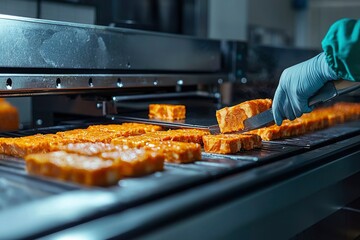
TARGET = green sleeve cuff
(342,48)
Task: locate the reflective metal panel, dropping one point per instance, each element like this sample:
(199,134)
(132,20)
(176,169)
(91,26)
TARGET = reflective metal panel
(31,43)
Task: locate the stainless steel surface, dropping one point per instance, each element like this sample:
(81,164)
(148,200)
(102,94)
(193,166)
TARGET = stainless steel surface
(344,86)
(30,43)
(258,121)
(333,89)
(327,92)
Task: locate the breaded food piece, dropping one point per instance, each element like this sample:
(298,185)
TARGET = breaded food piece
(3,142)
(350,111)
(136,141)
(85,135)
(287,129)
(334,117)
(267,134)
(183,135)
(87,149)
(250,141)
(9,116)
(85,170)
(42,143)
(167,111)
(231,143)
(178,135)
(174,152)
(126,129)
(146,127)
(136,162)
(222,143)
(105,133)
(230,119)
(21,146)
(133,161)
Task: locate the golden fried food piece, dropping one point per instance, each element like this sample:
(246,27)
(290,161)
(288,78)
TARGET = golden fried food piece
(136,141)
(85,170)
(21,146)
(350,111)
(250,141)
(136,162)
(223,143)
(183,135)
(174,152)
(9,116)
(230,119)
(87,149)
(133,161)
(178,135)
(146,127)
(84,135)
(42,143)
(230,143)
(167,111)
(126,129)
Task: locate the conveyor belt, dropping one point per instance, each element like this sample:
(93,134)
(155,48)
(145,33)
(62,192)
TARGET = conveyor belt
(132,192)
(175,176)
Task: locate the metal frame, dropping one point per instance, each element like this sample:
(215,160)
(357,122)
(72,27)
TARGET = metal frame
(42,57)
(13,85)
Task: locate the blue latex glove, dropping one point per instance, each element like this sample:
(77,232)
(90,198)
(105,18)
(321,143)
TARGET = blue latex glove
(297,84)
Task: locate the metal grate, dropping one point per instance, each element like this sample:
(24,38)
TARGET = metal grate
(175,176)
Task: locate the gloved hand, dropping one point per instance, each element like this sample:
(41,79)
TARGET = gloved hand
(297,84)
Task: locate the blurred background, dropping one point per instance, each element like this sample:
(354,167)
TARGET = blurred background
(277,33)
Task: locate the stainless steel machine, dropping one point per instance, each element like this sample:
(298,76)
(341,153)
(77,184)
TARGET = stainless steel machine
(79,74)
